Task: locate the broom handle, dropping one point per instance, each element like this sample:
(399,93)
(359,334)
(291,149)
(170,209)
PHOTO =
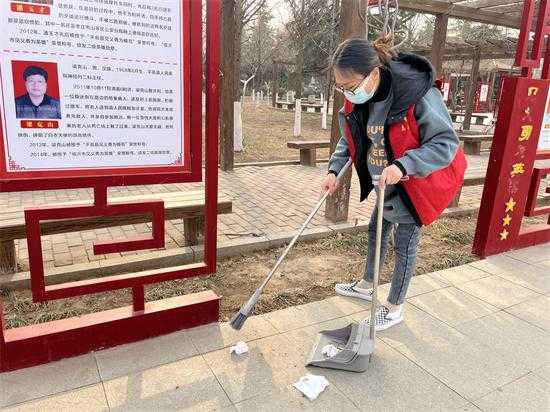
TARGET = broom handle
(375,280)
(306,223)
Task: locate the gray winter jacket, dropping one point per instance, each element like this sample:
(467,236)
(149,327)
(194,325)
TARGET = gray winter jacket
(412,80)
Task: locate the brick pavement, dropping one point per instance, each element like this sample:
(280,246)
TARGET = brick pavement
(266,200)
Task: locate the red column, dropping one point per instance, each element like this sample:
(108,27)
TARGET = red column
(510,165)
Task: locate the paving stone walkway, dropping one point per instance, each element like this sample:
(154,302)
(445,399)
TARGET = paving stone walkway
(475,337)
(266,201)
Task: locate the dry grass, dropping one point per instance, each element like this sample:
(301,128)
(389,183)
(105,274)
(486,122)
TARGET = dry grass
(309,274)
(267,130)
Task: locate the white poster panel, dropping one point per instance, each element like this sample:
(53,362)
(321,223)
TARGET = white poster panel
(446,88)
(484,92)
(91,84)
(544,140)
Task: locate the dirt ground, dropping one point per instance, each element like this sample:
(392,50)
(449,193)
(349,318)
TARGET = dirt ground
(309,274)
(267,130)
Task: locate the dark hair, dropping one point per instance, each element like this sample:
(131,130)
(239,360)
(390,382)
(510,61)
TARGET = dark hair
(361,56)
(33,70)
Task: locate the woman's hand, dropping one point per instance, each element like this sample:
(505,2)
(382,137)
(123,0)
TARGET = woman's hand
(391,175)
(328,183)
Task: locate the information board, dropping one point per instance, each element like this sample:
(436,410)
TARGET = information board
(94,87)
(544,139)
(446,89)
(484,93)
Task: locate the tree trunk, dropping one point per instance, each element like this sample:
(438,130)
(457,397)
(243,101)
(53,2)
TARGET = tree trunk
(472,89)
(238,38)
(438,42)
(227,157)
(351,25)
(300,73)
(275,84)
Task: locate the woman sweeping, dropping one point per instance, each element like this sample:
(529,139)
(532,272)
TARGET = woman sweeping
(394,125)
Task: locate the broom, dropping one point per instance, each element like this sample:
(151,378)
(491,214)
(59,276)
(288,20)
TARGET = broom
(240,318)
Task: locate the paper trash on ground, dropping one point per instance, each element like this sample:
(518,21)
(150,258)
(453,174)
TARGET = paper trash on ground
(330,351)
(239,348)
(311,385)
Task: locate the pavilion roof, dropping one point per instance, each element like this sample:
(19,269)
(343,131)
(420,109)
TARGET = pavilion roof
(505,13)
(463,50)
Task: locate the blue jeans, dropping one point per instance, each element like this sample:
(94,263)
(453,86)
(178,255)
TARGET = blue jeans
(407,237)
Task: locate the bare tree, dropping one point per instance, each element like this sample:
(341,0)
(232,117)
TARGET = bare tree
(245,12)
(311,29)
(236,14)
(258,47)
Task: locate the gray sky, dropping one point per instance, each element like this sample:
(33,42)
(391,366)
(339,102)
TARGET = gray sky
(279,11)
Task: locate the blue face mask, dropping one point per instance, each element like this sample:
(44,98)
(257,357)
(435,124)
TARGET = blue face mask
(359,96)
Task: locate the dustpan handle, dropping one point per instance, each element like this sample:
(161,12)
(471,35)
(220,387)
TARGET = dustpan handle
(379,220)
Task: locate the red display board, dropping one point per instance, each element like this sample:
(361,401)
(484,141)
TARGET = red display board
(513,178)
(152,26)
(122,109)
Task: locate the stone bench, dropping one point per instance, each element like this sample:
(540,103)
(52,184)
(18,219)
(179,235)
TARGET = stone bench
(308,150)
(281,104)
(306,107)
(479,118)
(472,142)
(312,107)
(189,206)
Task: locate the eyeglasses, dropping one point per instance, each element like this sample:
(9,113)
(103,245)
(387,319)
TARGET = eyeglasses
(343,90)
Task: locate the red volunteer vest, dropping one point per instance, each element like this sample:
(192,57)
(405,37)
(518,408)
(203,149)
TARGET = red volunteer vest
(429,195)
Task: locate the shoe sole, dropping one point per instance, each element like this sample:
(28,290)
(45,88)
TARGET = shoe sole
(353,295)
(384,327)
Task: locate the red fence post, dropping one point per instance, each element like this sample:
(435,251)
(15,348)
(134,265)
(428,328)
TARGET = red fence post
(212,131)
(3,355)
(138,298)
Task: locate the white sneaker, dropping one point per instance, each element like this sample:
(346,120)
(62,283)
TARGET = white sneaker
(351,290)
(385,319)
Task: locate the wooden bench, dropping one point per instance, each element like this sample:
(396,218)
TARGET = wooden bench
(475,180)
(479,118)
(308,150)
(188,206)
(472,142)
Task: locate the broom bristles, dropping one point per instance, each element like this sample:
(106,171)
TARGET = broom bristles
(242,315)
(238,321)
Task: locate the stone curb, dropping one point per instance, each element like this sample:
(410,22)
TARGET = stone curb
(275,163)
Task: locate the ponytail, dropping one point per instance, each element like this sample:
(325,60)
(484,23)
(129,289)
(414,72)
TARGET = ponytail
(384,47)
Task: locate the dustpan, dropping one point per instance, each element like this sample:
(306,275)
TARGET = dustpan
(355,343)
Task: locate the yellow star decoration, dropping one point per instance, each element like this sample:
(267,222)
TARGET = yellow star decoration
(506,221)
(510,205)
(504,235)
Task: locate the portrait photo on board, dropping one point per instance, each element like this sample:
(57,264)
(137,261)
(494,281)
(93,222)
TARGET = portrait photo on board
(36,89)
